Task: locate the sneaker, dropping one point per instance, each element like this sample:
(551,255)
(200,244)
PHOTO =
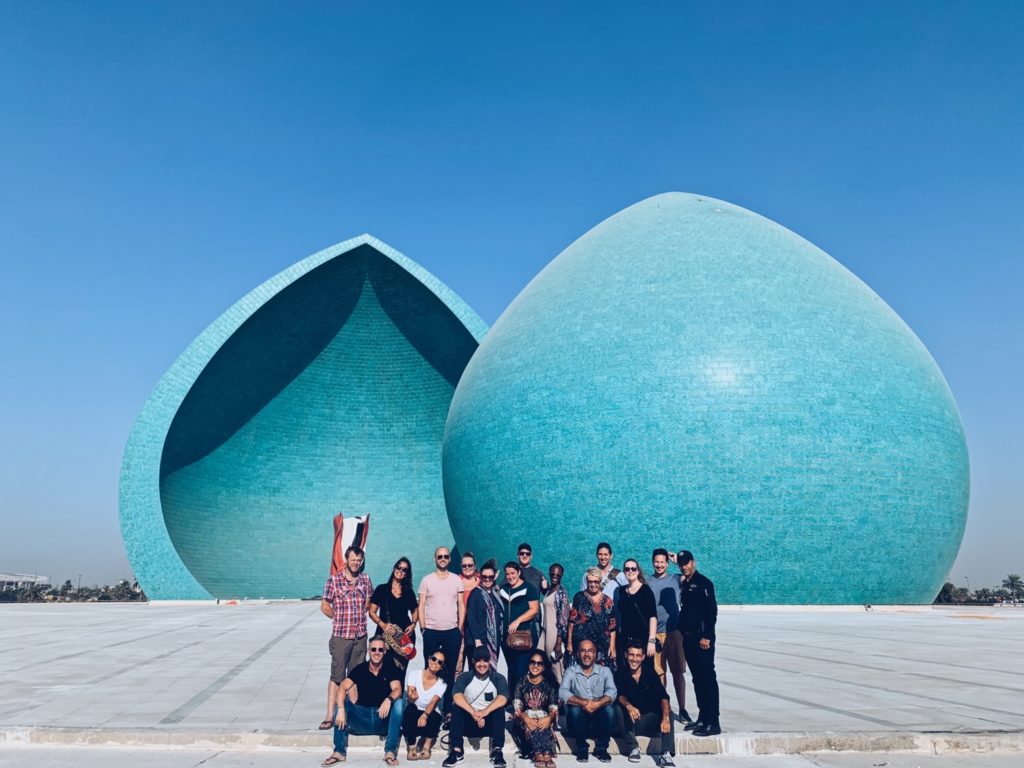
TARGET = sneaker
(582,756)
(497,759)
(665,761)
(453,759)
(634,755)
(602,755)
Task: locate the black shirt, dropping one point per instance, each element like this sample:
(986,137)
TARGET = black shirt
(698,609)
(371,689)
(393,610)
(646,694)
(635,614)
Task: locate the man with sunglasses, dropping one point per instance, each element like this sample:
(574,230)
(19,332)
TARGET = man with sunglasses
(530,574)
(443,615)
(371,704)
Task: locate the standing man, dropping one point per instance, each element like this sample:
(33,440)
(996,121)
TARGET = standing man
(698,614)
(480,698)
(668,646)
(530,574)
(443,615)
(611,578)
(345,602)
(644,708)
(370,702)
(588,692)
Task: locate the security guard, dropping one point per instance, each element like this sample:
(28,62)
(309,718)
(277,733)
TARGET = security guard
(698,612)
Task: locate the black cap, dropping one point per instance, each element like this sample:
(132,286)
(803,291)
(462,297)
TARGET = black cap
(481,653)
(525,546)
(684,556)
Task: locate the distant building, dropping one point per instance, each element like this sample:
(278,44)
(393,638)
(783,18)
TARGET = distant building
(12,582)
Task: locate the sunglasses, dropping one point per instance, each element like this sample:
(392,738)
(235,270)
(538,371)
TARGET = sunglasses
(436,660)
(535,663)
(376,650)
(469,565)
(631,569)
(591,581)
(401,569)
(524,553)
(442,557)
(486,578)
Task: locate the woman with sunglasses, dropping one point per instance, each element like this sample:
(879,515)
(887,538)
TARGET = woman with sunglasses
(485,617)
(394,609)
(638,614)
(521,602)
(592,617)
(421,721)
(535,712)
(470,581)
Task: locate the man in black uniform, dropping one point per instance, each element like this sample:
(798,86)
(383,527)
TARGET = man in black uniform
(698,612)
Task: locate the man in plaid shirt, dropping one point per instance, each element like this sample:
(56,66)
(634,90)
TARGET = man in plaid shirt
(345,602)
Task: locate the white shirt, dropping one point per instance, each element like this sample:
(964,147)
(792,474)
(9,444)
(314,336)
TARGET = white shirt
(415,677)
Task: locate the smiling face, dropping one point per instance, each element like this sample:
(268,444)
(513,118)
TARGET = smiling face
(535,666)
(593,585)
(604,556)
(632,570)
(634,658)
(688,568)
(660,564)
(376,652)
(435,662)
(468,566)
(555,573)
(482,667)
(525,556)
(512,577)
(401,569)
(487,577)
(354,562)
(587,652)
(442,558)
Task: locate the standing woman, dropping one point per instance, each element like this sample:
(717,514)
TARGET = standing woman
(556,620)
(535,711)
(421,720)
(592,617)
(393,608)
(470,581)
(485,617)
(521,602)
(638,614)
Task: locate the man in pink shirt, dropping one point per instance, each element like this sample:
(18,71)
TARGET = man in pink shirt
(442,614)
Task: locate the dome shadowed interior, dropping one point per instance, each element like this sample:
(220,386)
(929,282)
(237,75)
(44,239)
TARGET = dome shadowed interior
(323,391)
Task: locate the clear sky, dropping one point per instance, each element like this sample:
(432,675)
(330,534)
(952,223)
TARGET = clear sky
(159,160)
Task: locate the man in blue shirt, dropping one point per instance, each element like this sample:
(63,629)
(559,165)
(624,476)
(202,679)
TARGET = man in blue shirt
(588,691)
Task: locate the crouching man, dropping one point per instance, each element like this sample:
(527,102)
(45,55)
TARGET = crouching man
(588,691)
(644,709)
(479,697)
(372,704)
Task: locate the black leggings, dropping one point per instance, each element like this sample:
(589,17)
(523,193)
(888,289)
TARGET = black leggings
(410,724)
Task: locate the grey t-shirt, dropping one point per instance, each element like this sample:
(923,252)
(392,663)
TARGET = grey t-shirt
(666,598)
(480,693)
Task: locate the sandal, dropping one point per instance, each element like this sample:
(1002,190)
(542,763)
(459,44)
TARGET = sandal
(325,725)
(390,759)
(412,753)
(333,760)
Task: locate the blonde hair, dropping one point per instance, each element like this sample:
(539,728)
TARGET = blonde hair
(594,572)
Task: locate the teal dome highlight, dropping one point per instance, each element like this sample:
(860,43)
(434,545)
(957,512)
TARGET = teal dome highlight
(691,374)
(324,390)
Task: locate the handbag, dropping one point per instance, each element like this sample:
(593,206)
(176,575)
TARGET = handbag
(520,640)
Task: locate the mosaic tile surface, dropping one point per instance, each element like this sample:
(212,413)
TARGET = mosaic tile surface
(693,375)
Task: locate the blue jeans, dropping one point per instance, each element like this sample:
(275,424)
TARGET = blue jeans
(364,721)
(579,721)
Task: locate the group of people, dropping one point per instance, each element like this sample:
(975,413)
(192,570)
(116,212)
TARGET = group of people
(602,656)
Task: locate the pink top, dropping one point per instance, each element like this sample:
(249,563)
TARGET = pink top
(439,600)
(468,585)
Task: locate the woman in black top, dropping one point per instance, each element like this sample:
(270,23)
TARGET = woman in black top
(394,609)
(521,603)
(638,614)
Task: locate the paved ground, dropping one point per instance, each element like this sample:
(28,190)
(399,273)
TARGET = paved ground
(243,677)
(100,757)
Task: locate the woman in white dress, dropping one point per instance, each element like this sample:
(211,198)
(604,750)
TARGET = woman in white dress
(556,620)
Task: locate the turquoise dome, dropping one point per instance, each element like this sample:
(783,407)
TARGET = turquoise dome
(692,375)
(324,390)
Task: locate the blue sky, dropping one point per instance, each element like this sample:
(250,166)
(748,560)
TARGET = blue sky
(157,161)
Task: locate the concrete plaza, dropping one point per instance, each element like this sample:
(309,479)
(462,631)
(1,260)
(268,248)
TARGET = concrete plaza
(250,678)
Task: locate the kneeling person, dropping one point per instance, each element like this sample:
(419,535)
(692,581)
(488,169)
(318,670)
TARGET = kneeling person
(479,697)
(373,704)
(588,691)
(644,709)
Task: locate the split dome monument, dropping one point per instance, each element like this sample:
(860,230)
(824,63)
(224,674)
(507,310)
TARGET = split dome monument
(687,373)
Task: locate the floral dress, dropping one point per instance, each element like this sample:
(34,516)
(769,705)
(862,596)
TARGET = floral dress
(594,623)
(536,700)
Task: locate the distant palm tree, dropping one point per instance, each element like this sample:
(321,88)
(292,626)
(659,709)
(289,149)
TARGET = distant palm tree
(1014,585)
